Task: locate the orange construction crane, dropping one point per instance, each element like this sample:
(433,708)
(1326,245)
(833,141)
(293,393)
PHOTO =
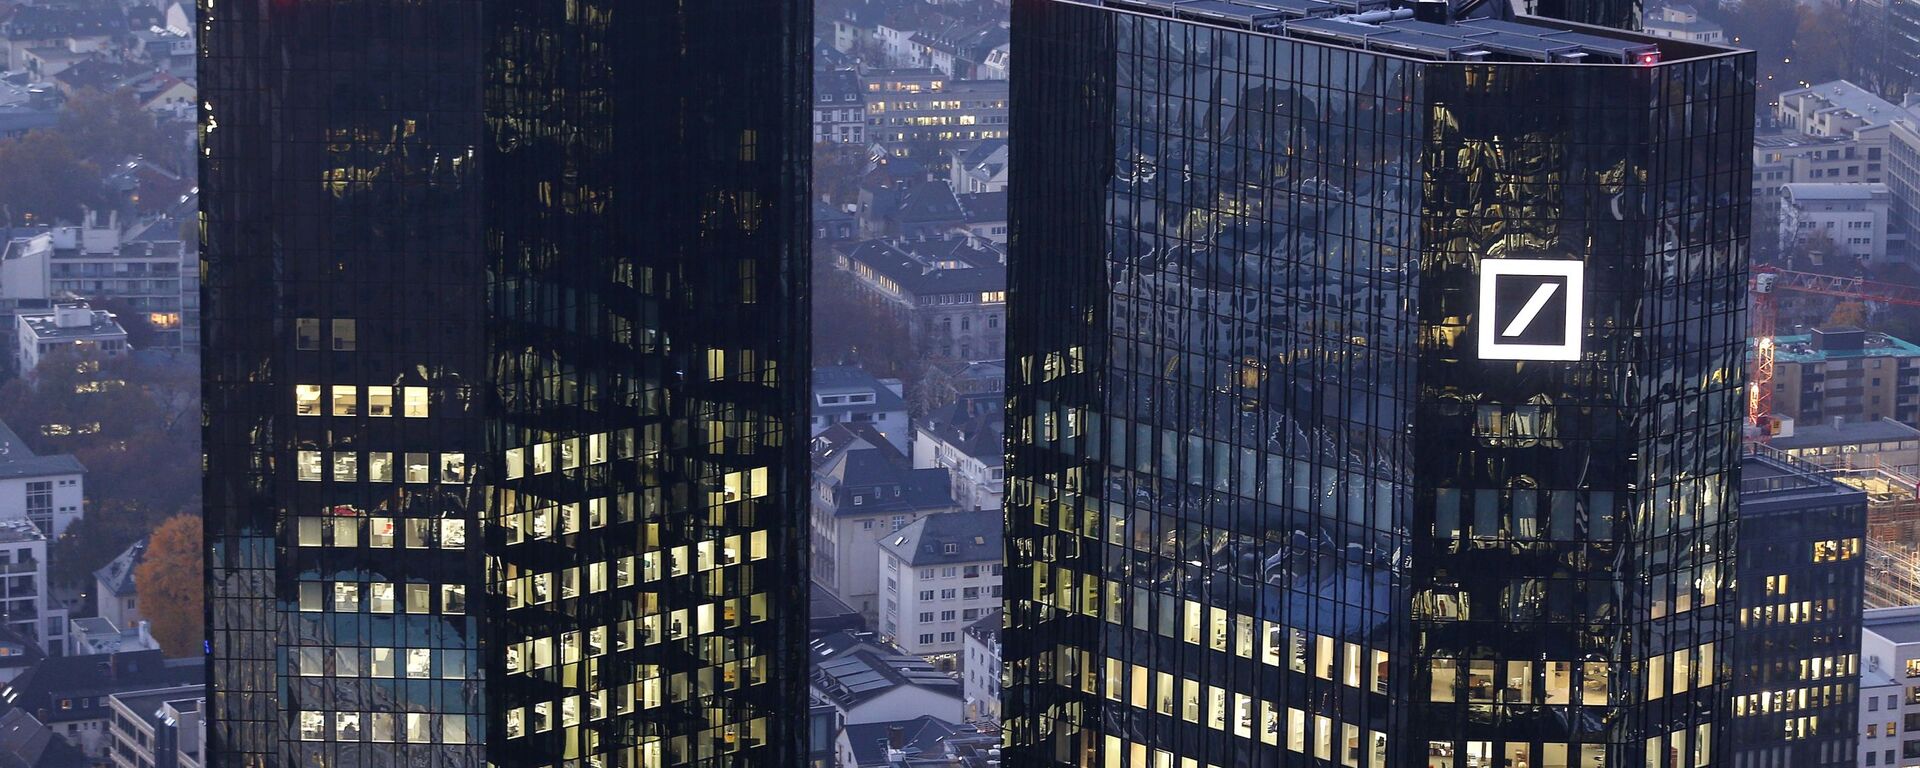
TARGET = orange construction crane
(1769,281)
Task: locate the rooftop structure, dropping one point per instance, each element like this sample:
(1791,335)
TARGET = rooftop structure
(68,325)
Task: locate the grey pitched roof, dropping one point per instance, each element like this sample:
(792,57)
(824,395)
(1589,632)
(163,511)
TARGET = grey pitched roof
(18,460)
(837,86)
(839,438)
(882,486)
(921,735)
(986,628)
(949,537)
(852,380)
(914,273)
(25,742)
(974,425)
(87,680)
(984,206)
(1808,435)
(116,577)
(850,669)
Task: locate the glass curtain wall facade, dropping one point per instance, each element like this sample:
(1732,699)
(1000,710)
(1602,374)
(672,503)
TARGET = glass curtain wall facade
(1802,575)
(505,368)
(1272,500)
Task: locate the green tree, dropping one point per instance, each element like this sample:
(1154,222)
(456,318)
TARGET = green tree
(46,181)
(108,528)
(171,586)
(108,128)
(129,422)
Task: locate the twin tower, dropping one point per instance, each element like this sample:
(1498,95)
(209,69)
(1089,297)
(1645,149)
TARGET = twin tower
(1374,385)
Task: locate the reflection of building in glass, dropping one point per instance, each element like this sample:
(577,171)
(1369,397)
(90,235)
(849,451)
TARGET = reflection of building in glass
(1270,500)
(1796,652)
(505,378)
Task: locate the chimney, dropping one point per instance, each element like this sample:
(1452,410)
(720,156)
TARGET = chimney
(896,737)
(146,635)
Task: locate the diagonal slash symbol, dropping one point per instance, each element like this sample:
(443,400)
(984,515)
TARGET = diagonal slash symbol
(1533,307)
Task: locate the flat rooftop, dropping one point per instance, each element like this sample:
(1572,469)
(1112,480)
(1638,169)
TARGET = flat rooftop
(1374,25)
(1898,625)
(1800,349)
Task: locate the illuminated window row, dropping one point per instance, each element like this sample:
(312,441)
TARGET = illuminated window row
(381,597)
(385,663)
(1680,671)
(381,532)
(1488,681)
(345,467)
(540,588)
(541,458)
(651,693)
(1218,629)
(1789,700)
(1317,735)
(347,400)
(383,727)
(1799,612)
(1671,751)
(1836,550)
(569,647)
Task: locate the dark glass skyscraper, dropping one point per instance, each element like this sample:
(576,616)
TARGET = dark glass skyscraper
(1802,571)
(505,382)
(1374,388)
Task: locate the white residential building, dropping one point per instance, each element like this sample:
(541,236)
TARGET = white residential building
(967,438)
(862,493)
(157,729)
(937,576)
(24,607)
(1852,216)
(116,596)
(980,668)
(844,394)
(1682,22)
(1889,687)
(68,325)
(48,491)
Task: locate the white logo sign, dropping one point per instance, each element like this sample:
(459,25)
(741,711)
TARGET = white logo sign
(1530,309)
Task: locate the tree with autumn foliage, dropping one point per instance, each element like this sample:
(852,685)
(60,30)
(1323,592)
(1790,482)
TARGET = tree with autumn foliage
(171,588)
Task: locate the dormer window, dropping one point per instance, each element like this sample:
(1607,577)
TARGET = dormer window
(953,549)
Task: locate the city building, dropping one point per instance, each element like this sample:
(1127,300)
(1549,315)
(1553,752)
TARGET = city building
(1618,14)
(1790,157)
(49,491)
(504,353)
(96,635)
(1890,661)
(867,681)
(984,217)
(1800,578)
(980,668)
(137,272)
(1880,719)
(938,575)
(978,168)
(116,597)
(25,609)
(910,106)
(839,107)
(67,326)
(848,395)
(1839,224)
(1846,376)
(1881,443)
(951,290)
(918,742)
(1682,22)
(967,438)
(862,494)
(1324,447)
(157,729)
(70,694)
(29,743)
(823,729)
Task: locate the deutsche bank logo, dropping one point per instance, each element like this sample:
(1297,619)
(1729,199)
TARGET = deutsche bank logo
(1530,309)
